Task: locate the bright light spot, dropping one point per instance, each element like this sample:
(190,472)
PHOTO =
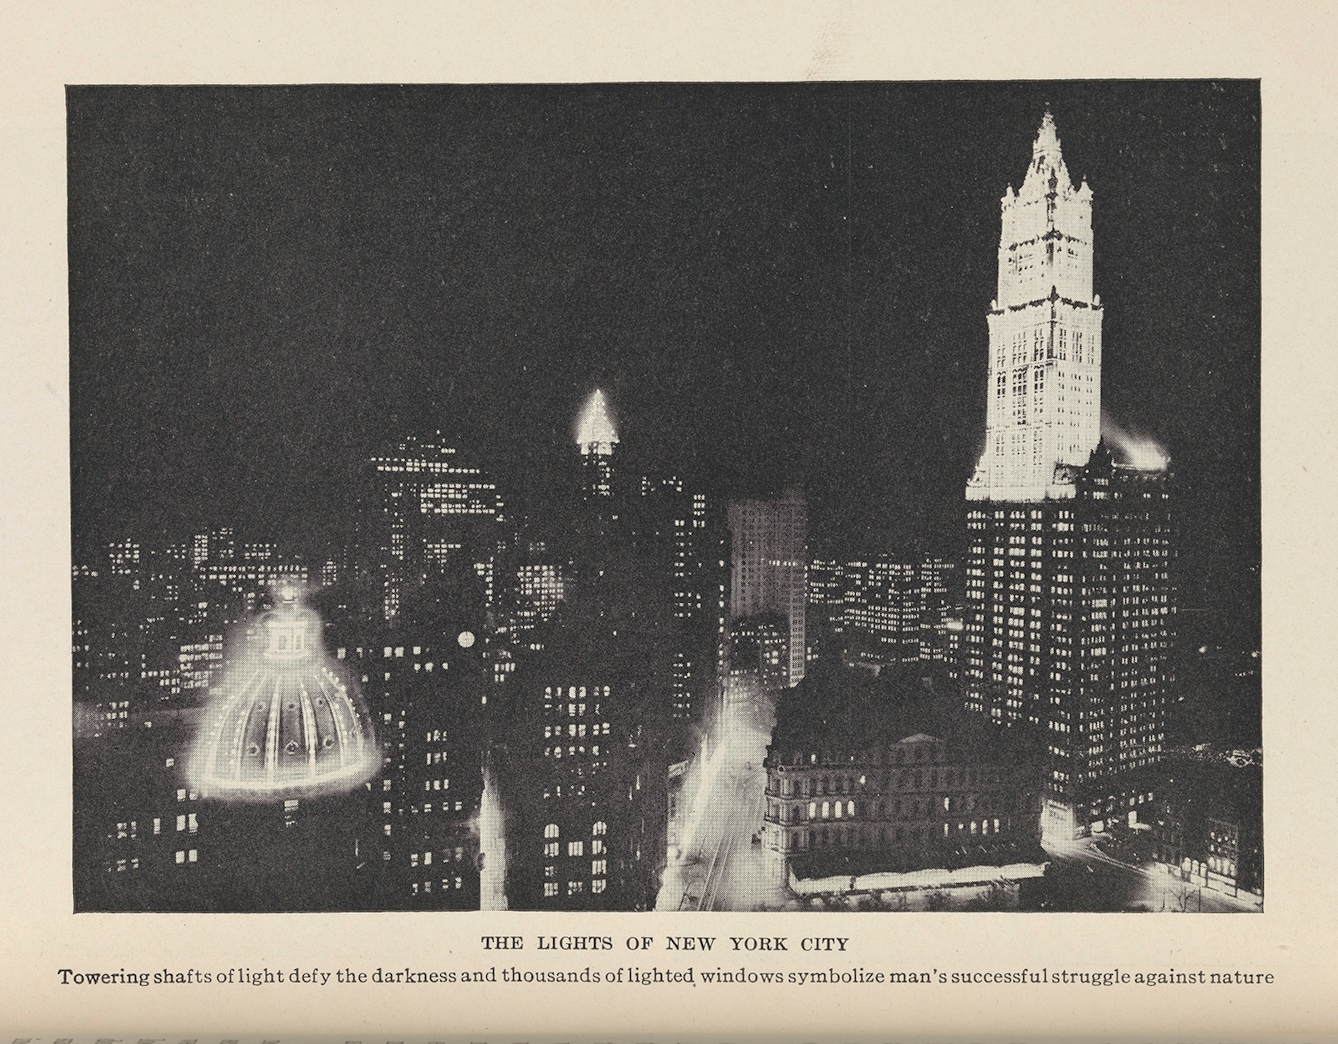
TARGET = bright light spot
(466,639)
(1135,451)
(595,432)
(1147,456)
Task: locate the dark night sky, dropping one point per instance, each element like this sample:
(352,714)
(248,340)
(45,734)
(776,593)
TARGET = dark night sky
(775,283)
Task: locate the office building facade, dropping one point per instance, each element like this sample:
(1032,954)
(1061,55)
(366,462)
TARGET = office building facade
(1069,609)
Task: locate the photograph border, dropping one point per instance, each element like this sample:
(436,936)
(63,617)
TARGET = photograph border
(1294,940)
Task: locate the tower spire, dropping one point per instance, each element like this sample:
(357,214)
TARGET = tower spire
(595,432)
(1046,152)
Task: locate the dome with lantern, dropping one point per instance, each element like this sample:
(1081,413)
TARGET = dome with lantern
(284,723)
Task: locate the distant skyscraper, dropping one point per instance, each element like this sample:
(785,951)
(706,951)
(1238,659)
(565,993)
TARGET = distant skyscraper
(769,558)
(881,609)
(597,438)
(539,591)
(759,655)
(431,511)
(681,537)
(1069,605)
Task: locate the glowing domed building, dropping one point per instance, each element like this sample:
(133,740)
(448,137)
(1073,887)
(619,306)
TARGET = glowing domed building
(284,723)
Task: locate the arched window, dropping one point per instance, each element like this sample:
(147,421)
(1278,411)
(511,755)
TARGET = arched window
(551,830)
(599,828)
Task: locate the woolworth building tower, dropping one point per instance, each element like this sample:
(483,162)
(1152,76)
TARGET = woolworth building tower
(1070,609)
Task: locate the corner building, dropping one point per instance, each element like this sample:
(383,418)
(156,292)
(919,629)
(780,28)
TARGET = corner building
(1069,616)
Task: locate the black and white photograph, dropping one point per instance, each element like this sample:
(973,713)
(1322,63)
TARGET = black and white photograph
(666,497)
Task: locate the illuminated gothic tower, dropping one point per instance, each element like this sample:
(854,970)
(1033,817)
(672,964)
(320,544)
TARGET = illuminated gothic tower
(1045,335)
(1069,603)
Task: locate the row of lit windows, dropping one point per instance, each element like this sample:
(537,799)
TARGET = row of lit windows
(574,887)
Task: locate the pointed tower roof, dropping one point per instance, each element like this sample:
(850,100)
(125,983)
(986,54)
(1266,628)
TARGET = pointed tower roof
(1047,160)
(1047,138)
(595,433)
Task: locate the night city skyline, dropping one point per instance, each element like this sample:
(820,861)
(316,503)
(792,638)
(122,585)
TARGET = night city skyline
(776,285)
(666,497)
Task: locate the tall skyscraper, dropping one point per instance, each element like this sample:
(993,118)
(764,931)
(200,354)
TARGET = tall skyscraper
(583,765)
(769,558)
(1069,613)
(428,680)
(678,534)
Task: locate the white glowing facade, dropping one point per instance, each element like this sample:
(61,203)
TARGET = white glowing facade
(595,433)
(596,437)
(284,723)
(1069,614)
(1045,337)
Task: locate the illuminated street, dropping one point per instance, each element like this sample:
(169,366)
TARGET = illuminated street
(719,866)
(1082,877)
